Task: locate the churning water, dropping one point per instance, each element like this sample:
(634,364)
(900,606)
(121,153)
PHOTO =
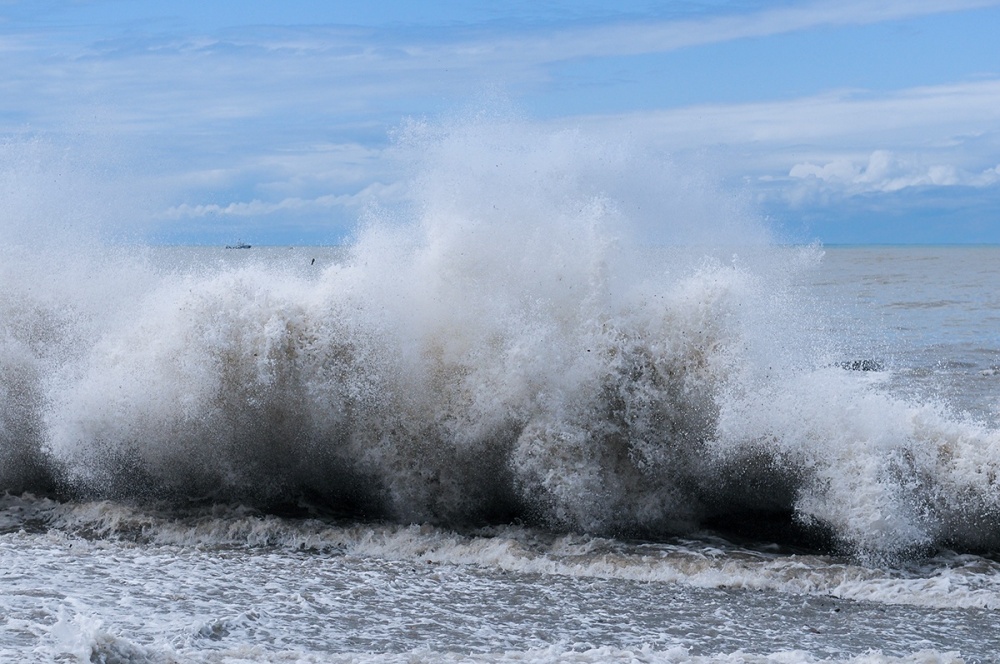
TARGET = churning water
(568,403)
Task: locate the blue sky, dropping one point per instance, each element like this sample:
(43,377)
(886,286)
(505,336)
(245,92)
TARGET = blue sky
(203,122)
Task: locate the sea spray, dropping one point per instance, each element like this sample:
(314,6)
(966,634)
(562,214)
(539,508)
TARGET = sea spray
(554,329)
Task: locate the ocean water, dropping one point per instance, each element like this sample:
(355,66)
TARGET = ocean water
(558,406)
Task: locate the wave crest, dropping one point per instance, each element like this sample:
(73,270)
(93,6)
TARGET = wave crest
(510,352)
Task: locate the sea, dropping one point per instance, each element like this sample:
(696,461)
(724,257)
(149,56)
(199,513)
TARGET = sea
(519,421)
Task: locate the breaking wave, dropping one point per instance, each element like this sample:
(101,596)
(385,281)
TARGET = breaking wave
(551,329)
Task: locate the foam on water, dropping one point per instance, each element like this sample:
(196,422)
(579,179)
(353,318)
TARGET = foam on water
(83,639)
(506,345)
(100,582)
(944,582)
(96,645)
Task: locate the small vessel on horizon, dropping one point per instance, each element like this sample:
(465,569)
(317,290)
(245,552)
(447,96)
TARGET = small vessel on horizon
(239,245)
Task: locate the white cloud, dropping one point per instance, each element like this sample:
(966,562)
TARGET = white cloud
(849,118)
(659,37)
(886,172)
(989,177)
(237,115)
(241,74)
(838,170)
(935,135)
(258,208)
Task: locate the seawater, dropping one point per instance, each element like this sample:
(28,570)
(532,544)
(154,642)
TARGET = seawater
(138,567)
(926,313)
(558,406)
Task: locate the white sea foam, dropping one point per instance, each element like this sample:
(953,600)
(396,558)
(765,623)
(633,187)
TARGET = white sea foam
(110,649)
(678,655)
(78,638)
(506,345)
(946,582)
(320,617)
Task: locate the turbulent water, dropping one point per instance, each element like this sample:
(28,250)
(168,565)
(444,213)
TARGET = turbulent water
(567,403)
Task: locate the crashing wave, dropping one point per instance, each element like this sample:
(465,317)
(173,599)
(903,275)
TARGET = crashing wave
(511,351)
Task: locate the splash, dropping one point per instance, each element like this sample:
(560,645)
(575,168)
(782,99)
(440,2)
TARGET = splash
(572,332)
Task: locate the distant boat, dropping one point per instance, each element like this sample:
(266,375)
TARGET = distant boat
(239,245)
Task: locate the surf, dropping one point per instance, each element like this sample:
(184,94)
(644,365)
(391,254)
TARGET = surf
(547,328)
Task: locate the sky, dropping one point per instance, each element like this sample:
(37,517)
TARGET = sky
(189,122)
